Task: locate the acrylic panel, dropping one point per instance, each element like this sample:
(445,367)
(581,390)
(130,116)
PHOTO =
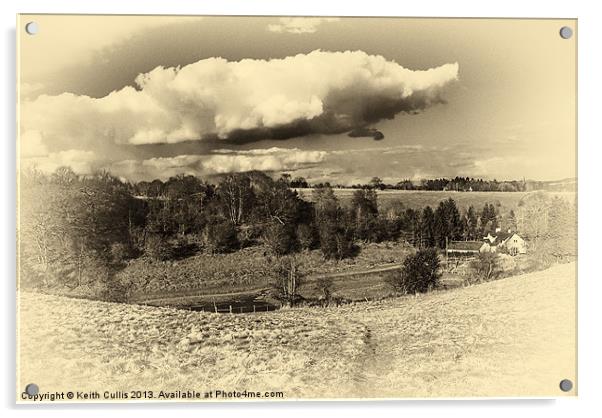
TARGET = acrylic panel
(229,208)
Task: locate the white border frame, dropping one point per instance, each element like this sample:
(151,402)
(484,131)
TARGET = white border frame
(590,289)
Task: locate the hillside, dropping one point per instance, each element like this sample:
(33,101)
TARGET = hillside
(510,337)
(244,270)
(418,199)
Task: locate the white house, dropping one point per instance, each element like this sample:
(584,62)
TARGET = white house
(511,241)
(514,244)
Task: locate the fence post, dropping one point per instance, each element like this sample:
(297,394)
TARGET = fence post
(230,308)
(253,308)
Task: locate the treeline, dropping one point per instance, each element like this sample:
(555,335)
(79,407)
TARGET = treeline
(78,231)
(247,208)
(75,232)
(459,184)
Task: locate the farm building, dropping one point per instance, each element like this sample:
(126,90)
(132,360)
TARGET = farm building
(488,247)
(509,240)
(514,244)
(466,248)
(490,238)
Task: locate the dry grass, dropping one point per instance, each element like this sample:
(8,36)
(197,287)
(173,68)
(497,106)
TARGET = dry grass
(510,337)
(244,270)
(418,199)
(68,343)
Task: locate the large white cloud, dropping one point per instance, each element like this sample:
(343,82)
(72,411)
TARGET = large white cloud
(319,92)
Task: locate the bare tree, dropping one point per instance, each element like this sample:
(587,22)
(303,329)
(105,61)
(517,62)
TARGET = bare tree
(288,279)
(235,195)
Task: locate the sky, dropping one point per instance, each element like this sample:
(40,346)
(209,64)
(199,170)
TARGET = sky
(329,99)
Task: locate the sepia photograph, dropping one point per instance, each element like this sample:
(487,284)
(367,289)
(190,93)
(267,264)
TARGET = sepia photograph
(270,208)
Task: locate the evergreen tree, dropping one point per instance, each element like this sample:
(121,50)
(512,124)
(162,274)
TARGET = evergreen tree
(335,229)
(489,221)
(420,272)
(448,223)
(364,207)
(512,220)
(428,227)
(410,226)
(472,222)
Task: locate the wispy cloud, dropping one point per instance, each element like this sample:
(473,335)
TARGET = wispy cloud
(82,162)
(300,25)
(220,162)
(30,90)
(75,39)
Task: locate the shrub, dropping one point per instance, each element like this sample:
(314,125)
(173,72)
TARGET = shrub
(391,228)
(535,261)
(287,280)
(279,238)
(184,247)
(307,236)
(378,230)
(335,242)
(220,237)
(120,252)
(336,236)
(248,235)
(324,289)
(486,267)
(420,272)
(137,240)
(157,247)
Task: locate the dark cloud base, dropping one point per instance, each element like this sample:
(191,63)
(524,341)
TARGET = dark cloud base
(330,122)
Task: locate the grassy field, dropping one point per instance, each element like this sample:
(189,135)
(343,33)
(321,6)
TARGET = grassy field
(244,270)
(512,337)
(249,270)
(418,199)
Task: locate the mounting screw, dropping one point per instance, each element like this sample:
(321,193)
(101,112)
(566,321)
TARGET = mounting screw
(566,32)
(32,389)
(566,385)
(31,28)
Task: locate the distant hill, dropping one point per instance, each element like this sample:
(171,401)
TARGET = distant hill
(564,185)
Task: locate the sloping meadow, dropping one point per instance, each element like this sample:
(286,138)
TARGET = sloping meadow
(510,337)
(71,344)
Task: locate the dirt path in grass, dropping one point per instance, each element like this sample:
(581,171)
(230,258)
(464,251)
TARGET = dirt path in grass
(475,341)
(185,296)
(512,337)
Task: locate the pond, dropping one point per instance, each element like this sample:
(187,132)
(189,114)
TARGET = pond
(236,306)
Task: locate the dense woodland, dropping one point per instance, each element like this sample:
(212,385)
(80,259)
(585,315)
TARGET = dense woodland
(80,230)
(456,184)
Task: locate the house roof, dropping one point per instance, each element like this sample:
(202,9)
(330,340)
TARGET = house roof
(513,234)
(501,236)
(464,245)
